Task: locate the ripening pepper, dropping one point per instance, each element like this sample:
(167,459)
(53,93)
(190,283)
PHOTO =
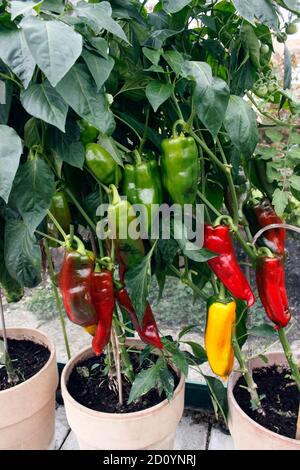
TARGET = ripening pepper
(75,285)
(148,332)
(270,279)
(61,211)
(129,251)
(220,321)
(101,164)
(103,299)
(142,185)
(180,168)
(261,214)
(225,266)
(88,133)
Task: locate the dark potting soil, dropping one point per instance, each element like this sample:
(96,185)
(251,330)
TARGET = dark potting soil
(281,402)
(27,357)
(91,387)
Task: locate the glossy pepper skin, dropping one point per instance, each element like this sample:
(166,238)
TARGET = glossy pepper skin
(88,133)
(180,168)
(129,251)
(142,185)
(148,332)
(259,216)
(270,279)
(221,319)
(60,209)
(103,299)
(102,164)
(225,266)
(75,286)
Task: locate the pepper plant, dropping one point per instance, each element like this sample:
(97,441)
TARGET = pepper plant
(93,92)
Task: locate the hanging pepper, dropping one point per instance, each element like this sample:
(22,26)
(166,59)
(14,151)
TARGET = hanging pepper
(88,133)
(102,164)
(75,285)
(142,185)
(259,216)
(103,298)
(129,251)
(61,211)
(148,332)
(270,279)
(221,319)
(180,168)
(225,266)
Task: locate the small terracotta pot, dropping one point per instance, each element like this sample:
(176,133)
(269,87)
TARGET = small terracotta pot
(27,411)
(153,428)
(246,433)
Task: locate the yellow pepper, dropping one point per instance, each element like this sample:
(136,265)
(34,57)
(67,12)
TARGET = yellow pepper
(221,317)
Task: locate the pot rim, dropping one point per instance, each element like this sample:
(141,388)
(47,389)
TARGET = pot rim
(88,352)
(23,332)
(231,384)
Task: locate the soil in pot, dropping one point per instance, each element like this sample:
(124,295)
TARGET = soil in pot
(27,357)
(281,401)
(90,386)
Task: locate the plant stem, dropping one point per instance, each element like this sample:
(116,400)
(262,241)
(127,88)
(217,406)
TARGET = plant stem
(128,368)
(251,385)
(289,356)
(178,109)
(247,248)
(7,77)
(11,375)
(268,115)
(57,225)
(208,204)
(57,298)
(189,283)
(142,143)
(81,210)
(116,354)
(45,235)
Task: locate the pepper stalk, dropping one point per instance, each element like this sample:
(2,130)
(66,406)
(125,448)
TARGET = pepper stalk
(11,374)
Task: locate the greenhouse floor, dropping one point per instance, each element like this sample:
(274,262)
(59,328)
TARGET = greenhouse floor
(191,435)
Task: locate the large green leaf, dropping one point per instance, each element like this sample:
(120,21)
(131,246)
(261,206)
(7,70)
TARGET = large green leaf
(263,10)
(145,381)
(42,101)
(98,17)
(218,394)
(66,147)
(16,55)
(240,123)
(211,95)
(10,152)
(167,382)
(79,90)
(158,92)
(22,254)
(99,67)
(23,8)
(32,191)
(54,45)
(172,6)
(12,290)
(175,60)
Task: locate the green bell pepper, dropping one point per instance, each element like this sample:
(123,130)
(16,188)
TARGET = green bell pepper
(102,165)
(88,133)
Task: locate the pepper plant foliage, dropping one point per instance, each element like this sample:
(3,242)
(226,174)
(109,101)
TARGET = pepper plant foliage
(117,66)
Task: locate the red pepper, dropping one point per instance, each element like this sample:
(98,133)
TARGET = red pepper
(266,215)
(149,332)
(226,266)
(75,286)
(270,280)
(103,298)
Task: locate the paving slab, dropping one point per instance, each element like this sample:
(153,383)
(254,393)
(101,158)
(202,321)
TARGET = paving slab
(190,435)
(220,441)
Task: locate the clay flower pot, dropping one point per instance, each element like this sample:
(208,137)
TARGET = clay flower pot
(246,433)
(27,411)
(153,428)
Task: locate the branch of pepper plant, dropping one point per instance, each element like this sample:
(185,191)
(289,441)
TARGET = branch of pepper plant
(269,116)
(12,377)
(116,355)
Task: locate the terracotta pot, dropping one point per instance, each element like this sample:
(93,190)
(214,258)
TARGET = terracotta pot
(246,433)
(27,411)
(153,428)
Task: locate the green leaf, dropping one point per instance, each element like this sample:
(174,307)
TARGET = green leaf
(16,55)
(180,361)
(211,95)
(251,44)
(98,17)
(274,135)
(78,89)
(24,8)
(32,191)
(43,102)
(10,152)
(167,381)
(200,255)
(198,351)
(158,92)
(185,330)
(54,45)
(22,254)
(172,6)
(66,147)
(109,144)
(295,182)
(33,132)
(264,331)
(280,201)
(137,280)
(263,10)
(240,123)
(12,290)
(241,320)
(175,60)
(152,54)
(159,36)
(145,381)
(55,6)
(218,395)
(99,67)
